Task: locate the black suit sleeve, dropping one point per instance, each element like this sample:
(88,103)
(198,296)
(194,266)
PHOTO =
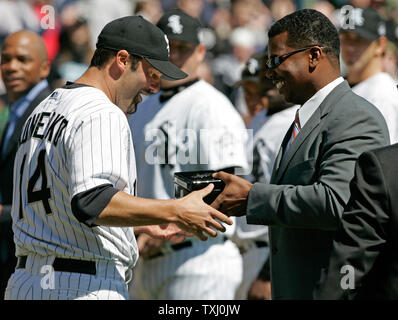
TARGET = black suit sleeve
(362,234)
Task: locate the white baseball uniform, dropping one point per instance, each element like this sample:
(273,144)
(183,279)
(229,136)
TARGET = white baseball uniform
(268,133)
(74,141)
(381,90)
(196,129)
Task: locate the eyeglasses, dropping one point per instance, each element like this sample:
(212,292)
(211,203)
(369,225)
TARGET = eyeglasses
(274,62)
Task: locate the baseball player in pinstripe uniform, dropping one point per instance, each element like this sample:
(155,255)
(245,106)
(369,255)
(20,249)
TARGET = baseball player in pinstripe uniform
(363,47)
(75,176)
(252,240)
(171,123)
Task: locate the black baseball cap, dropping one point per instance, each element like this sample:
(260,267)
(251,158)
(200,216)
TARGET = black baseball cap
(140,37)
(392,31)
(366,22)
(253,69)
(178,25)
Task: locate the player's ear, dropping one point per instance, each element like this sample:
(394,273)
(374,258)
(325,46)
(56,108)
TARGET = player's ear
(201,49)
(122,59)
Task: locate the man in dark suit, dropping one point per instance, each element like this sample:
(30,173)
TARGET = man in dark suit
(24,68)
(364,261)
(309,186)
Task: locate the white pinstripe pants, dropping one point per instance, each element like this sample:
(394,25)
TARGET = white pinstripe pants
(37,282)
(253,261)
(206,271)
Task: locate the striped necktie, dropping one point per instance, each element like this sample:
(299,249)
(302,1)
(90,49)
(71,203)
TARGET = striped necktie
(296,127)
(295,131)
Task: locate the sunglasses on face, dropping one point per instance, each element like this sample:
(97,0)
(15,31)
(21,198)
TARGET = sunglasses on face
(276,61)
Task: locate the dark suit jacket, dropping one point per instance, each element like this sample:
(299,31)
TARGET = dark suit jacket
(310,187)
(368,237)
(7,161)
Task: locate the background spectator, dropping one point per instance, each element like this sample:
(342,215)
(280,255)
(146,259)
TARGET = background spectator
(149,9)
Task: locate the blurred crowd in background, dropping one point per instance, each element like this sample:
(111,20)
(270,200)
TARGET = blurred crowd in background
(233,31)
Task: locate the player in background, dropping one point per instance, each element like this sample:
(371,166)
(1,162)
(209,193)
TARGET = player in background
(188,126)
(256,102)
(75,177)
(363,46)
(272,118)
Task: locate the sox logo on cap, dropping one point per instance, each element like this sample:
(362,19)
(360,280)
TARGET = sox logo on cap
(175,24)
(168,45)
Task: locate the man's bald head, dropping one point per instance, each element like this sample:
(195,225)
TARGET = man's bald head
(31,39)
(24,63)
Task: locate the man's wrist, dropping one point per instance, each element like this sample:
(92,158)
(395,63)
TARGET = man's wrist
(172,209)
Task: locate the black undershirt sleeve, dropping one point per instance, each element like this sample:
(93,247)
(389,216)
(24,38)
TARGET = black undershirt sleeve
(87,205)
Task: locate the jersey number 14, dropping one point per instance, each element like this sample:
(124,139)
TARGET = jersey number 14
(43,194)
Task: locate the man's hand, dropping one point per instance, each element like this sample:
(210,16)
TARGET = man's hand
(233,200)
(195,216)
(259,290)
(164,232)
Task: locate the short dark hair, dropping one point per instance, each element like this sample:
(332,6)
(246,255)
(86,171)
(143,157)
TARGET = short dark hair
(308,27)
(102,56)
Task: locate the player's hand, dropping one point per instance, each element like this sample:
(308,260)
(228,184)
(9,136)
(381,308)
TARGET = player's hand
(195,216)
(164,232)
(233,200)
(259,290)
(148,246)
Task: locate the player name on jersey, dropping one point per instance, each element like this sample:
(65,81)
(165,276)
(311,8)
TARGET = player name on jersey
(44,125)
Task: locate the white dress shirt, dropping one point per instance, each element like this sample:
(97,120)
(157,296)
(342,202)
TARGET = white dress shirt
(308,108)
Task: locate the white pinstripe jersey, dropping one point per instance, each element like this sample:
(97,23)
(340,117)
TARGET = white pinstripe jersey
(75,140)
(197,129)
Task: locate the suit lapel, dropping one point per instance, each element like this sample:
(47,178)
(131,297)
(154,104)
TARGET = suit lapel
(279,156)
(282,162)
(295,146)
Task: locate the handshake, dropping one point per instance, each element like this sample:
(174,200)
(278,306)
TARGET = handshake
(224,192)
(205,200)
